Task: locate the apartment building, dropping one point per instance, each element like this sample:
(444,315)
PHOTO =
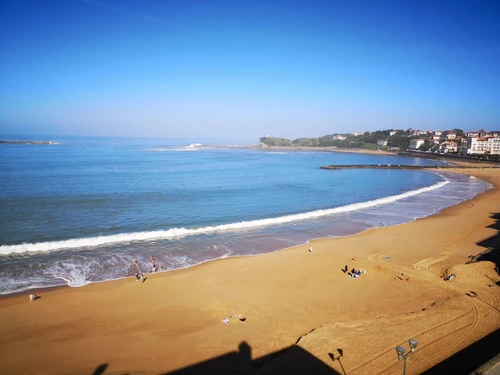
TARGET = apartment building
(486,145)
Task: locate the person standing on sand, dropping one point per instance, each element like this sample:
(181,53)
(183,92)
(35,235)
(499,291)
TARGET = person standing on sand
(153,265)
(133,266)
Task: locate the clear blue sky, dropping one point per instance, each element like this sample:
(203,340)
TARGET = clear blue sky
(245,69)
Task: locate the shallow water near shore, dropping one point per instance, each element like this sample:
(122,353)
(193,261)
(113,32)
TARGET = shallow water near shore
(79,210)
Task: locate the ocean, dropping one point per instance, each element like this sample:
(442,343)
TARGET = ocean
(80,210)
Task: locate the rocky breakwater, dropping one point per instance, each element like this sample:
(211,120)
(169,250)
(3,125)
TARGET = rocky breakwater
(22,142)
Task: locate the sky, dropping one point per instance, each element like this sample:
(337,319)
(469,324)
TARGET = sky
(245,69)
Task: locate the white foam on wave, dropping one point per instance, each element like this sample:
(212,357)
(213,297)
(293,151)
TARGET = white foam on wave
(72,274)
(184,232)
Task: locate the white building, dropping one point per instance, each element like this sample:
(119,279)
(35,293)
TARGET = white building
(382,142)
(419,132)
(486,145)
(476,134)
(448,147)
(416,143)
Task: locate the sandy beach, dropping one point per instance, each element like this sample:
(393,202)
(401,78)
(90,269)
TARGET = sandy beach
(289,312)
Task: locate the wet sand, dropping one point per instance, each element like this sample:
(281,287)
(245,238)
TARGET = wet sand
(300,308)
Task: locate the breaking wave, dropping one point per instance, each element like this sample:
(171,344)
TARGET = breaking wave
(184,232)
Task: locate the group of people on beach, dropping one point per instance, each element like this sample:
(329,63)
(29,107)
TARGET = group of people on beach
(402,277)
(353,273)
(139,276)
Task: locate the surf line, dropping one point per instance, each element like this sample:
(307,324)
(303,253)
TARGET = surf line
(184,232)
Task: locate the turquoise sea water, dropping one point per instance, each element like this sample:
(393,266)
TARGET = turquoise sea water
(79,210)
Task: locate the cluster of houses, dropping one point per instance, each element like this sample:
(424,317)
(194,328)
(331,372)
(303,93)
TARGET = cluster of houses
(470,143)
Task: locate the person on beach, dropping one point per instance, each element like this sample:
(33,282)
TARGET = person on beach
(133,266)
(451,277)
(153,265)
(311,249)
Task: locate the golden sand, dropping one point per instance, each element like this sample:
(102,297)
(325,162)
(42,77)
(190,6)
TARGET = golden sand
(302,312)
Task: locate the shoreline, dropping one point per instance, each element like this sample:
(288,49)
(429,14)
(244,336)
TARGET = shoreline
(283,294)
(445,158)
(431,169)
(308,148)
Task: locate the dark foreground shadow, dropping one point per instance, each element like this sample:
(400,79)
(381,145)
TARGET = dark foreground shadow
(492,244)
(470,358)
(290,361)
(100,369)
(293,361)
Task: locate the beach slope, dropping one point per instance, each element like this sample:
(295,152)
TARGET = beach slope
(290,312)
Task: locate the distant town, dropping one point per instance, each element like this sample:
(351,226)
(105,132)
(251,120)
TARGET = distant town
(478,143)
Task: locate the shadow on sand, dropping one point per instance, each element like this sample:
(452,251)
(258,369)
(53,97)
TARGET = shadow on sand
(290,361)
(470,358)
(492,244)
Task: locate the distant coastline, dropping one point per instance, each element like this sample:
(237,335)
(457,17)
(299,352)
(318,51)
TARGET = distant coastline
(309,148)
(16,142)
(415,154)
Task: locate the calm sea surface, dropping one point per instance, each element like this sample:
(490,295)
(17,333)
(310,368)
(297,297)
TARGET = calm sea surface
(80,210)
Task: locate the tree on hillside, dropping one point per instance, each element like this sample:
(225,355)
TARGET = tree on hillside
(325,141)
(399,132)
(400,139)
(305,142)
(426,146)
(273,141)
